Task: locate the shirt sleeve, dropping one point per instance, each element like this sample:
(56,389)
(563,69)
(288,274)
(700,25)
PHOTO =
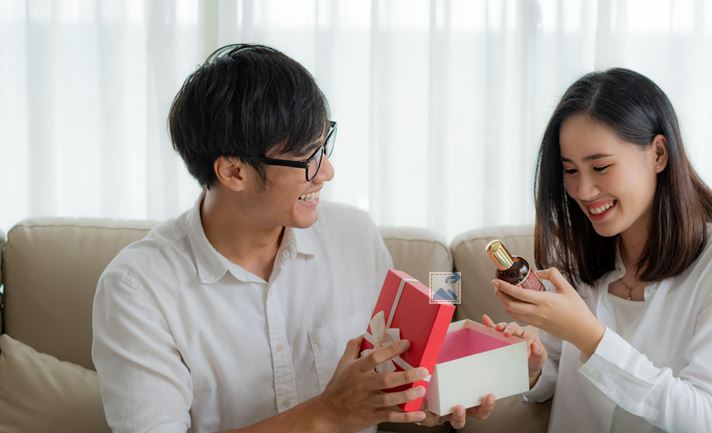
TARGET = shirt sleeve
(681,403)
(543,390)
(145,386)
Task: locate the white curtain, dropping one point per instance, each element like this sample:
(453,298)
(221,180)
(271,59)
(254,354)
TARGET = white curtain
(441,104)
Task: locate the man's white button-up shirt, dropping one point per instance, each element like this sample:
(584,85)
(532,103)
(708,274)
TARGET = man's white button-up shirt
(185,340)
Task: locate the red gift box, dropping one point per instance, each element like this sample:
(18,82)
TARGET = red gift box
(404,311)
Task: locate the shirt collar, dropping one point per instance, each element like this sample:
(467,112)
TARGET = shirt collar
(303,240)
(212,266)
(615,274)
(619,272)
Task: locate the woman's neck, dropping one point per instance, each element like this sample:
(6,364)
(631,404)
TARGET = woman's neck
(632,245)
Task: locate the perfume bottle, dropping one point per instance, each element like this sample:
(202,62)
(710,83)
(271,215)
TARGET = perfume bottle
(512,269)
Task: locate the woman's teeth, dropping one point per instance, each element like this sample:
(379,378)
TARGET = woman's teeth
(309,196)
(599,210)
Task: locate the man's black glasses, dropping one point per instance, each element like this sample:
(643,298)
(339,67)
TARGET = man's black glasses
(312,164)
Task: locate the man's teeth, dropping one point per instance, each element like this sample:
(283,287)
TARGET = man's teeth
(601,209)
(310,196)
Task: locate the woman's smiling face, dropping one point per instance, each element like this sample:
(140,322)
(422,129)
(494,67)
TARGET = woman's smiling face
(612,180)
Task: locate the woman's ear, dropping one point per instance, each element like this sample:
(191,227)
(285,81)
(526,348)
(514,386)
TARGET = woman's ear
(231,173)
(660,147)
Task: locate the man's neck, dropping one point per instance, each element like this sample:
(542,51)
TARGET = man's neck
(241,238)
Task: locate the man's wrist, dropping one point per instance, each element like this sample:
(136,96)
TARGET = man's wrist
(321,415)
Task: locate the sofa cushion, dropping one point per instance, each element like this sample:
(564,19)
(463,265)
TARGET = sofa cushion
(51,270)
(39,393)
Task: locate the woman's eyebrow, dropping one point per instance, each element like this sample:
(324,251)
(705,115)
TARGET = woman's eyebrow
(590,157)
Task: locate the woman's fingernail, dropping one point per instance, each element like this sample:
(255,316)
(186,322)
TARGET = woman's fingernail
(419,391)
(404,344)
(422,373)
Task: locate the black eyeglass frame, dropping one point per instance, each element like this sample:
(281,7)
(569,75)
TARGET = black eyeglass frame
(305,163)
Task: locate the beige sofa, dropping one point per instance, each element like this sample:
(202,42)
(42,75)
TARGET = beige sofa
(49,269)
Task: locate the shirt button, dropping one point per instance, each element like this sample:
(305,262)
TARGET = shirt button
(280,347)
(286,403)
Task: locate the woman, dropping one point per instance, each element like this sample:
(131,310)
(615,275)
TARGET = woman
(622,214)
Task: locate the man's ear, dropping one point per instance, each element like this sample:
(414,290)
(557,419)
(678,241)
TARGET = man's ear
(232,173)
(662,155)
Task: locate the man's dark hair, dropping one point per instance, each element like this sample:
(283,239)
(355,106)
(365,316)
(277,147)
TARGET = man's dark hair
(637,110)
(245,101)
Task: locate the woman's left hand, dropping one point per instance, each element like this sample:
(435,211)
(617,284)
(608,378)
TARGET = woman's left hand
(561,313)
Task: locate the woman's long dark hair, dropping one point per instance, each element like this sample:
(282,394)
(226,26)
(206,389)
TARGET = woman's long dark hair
(637,110)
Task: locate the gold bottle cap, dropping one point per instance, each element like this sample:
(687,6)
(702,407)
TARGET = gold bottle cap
(499,255)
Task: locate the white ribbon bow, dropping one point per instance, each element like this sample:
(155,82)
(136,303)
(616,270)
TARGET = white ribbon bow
(381,334)
(379,337)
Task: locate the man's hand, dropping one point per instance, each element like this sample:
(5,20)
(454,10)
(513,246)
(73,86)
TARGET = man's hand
(353,399)
(459,414)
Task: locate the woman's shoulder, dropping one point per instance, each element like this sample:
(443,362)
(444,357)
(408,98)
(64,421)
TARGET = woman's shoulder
(700,271)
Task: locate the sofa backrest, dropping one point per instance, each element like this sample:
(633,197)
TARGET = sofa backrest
(417,251)
(468,250)
(51,269)
(52,266)
(470,258)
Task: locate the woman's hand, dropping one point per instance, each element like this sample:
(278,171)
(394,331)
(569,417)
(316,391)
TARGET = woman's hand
(561,313)
(536,350)
(459,414)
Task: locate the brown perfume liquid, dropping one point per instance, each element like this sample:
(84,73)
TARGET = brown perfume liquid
(512,269)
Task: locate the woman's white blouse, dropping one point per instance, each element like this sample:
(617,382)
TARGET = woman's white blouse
(655,375)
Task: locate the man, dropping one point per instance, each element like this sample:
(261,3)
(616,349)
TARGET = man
(234,316)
